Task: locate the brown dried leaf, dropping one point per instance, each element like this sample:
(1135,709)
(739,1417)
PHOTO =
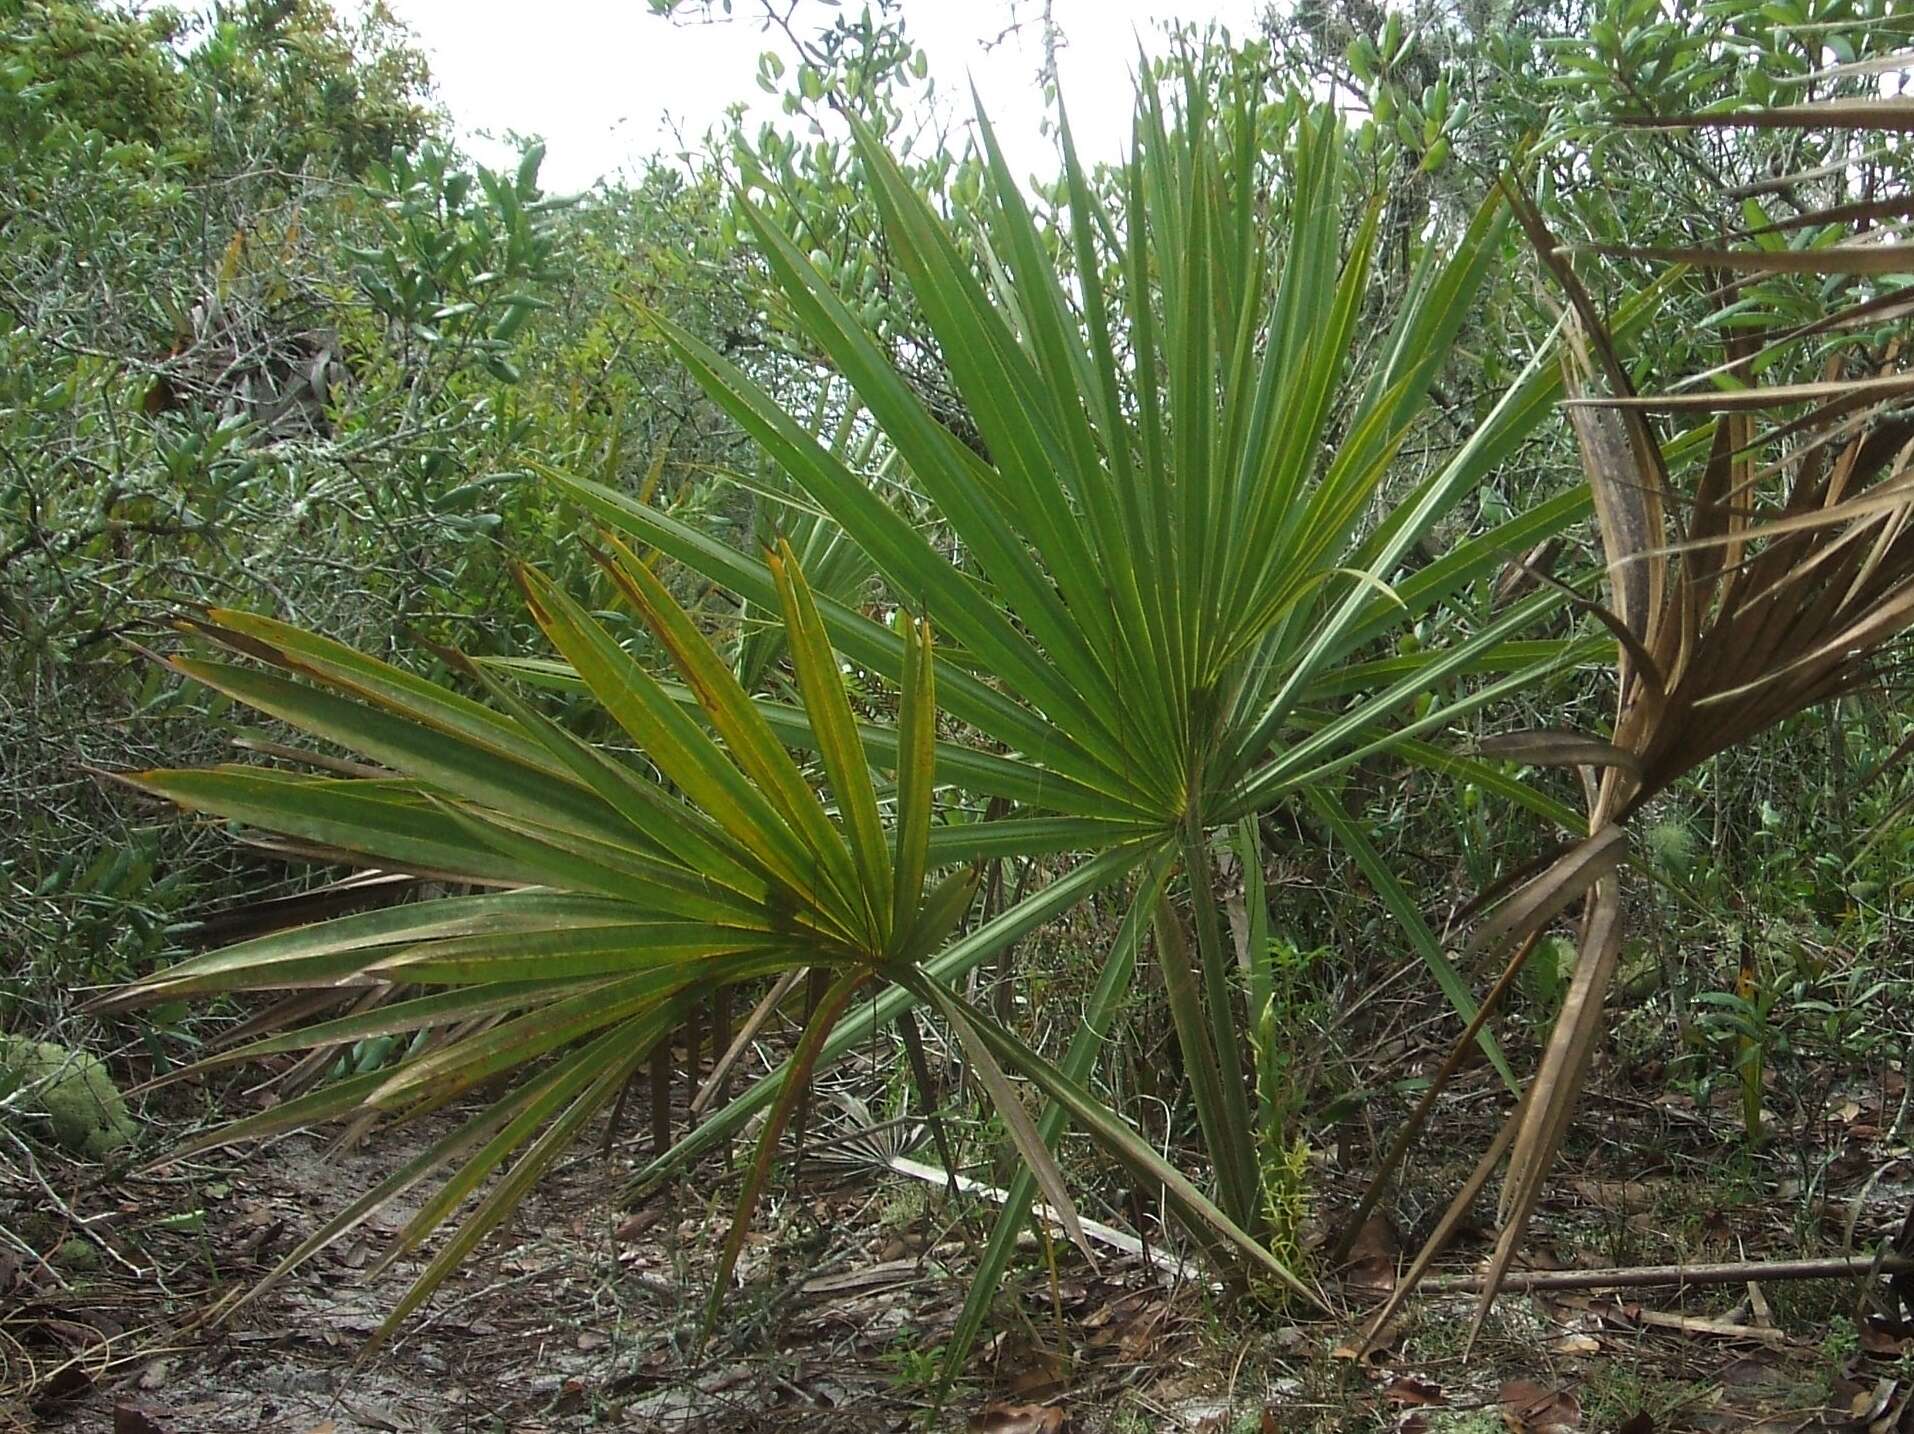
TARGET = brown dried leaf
(1743,400)
(1873,65)
(1866,211)
(1876,1340)
(1547,895)
(1549,1102)
(1373,1255)
(1620,1197)
(638,1223)
(1413,1392)
(1548,747)
(1017,1419)
(1531,1408)
(1869,1405)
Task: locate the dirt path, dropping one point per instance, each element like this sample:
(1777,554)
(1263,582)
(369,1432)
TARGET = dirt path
(579,1317)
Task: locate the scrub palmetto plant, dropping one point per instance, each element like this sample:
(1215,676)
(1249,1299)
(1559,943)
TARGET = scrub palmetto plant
(1161,570)
(1768,574)
(1171,550)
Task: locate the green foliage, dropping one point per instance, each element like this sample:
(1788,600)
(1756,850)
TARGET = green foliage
(80,1256)
(1208,469)
(628,897)
(304,88)
(1219,640)
(74,69)
(1671,846)
(305,381)
(459,257)
(1284,1179)
(1546,975)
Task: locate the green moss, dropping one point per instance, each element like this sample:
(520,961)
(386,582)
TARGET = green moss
(67,1093)
(80,1255)
(1672,847)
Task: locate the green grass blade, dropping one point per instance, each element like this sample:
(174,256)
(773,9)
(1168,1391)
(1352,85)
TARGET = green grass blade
(991,774)
(404,693)
(865,642)
(658,820)
(1260,988)
(393,1018)
(1356,842)
(1009,1107)
(407,746)
(465,1063)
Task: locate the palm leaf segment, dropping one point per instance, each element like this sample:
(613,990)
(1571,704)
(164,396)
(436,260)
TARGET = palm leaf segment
(621,900)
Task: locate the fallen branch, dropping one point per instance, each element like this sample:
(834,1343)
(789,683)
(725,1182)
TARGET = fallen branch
(1166,1267)
(1837,1267)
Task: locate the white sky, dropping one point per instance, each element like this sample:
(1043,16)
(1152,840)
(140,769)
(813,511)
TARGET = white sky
(602,80)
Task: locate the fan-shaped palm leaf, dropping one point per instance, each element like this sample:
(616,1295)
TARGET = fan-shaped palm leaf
(1175,533)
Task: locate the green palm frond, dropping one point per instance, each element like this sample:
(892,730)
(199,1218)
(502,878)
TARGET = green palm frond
(1171,534)
(1160,561)
(1176,527)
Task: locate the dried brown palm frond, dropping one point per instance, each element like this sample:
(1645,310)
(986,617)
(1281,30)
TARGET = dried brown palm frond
(1768,582)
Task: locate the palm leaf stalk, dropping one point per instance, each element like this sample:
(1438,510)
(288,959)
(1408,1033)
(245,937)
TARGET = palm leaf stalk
(1769,579)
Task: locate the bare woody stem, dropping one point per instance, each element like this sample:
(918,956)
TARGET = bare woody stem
(1836,1267)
